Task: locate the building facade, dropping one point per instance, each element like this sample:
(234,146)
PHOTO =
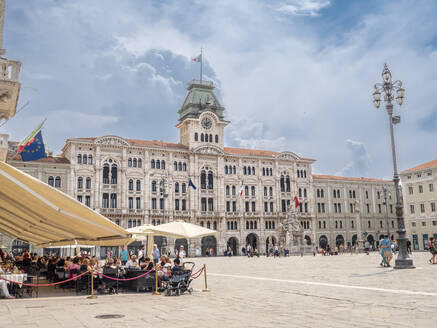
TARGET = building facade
(420,198)
(244,194)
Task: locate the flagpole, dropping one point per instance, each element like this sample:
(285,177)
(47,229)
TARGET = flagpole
(39,127)
(201,64)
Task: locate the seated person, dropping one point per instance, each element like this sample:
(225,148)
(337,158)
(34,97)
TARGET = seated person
(177,268)
(4,287)
(147,265)
(73,266)
(132,263)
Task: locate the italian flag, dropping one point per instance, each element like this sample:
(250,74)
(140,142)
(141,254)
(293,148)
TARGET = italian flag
(241,189)
(198,59)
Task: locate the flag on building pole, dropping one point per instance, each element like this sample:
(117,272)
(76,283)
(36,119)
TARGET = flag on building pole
(198,59)
(32,148)
(241,189)
(296,201)
(191,184)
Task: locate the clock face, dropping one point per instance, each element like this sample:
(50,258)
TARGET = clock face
(206,123)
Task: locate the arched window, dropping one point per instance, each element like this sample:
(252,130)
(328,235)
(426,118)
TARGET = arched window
(113,200)
(152,164)
(271,172)
(138,185)
(87,183)
(153,186)
(210,138)
(79,159)
(129,162)
(287,179)
(140,163)
(203,180)
(282,183)
(131,184)
(184,188)
(196,136)
(176,187)
(235,225)
(180,166)
(51,181)
(216,138)
(106,173)
(298,173)
(84,159)
(234,170)
(134,162)
(226,169)
(163,164)
(228,190)
(265,191)
(201,137)
(208,224)
(246,190)
(251,224)
(247,225)
(105,201)
(264,171)
(300,192)
(175,165)
(79,183)
(114,174)
(58,182)
(305,173)
(304,192)
(210,180)
(271,191)
(214,225)
(206,137)
(253,170)
(233,190)
(129,223)
(158,164)
(244,170)
(252,190)
(229,223)
(184,167)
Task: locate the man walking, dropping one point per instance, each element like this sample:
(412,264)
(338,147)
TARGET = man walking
(385,249)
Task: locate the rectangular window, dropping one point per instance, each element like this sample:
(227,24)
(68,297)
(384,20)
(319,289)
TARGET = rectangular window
(88,201)
(266,207)
(153,203)
(131,202)
(161,203)
(184,204)
(420,189)
(203,204)
(434,223)
(432,207)
(320,224)
(413,224)
(368,208)
(319,208)
(341,224)
(138,202)
(323,207)
(247,206)
(283,206)
(423,224)
(391,208)
(352,224)
(335,208)
(228,206)
(351,206)
(271,207)
(431,187)
(234,206)
(176,204)
(210,204)
(253,207)
(79,198)
(339,208)
(412,209)
(324,224)
(422,208)
(379,208)
(410,190)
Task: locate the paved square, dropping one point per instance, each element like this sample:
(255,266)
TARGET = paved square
(338,291)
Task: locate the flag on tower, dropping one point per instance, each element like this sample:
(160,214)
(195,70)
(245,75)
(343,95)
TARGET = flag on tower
(296,201)
(198,59)
(32,148)
(191,184)
(241,189)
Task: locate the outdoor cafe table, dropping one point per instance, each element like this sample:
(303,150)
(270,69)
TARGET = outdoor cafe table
(19,277)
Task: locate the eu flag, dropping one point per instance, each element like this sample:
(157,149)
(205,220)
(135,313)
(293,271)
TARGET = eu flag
(34,150)
(191,184)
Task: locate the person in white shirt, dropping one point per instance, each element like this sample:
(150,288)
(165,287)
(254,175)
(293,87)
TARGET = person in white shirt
(132,263)
(141,252)
(182,253)
(4,287)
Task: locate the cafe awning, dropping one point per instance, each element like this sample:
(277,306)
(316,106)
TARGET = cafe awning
(33,211)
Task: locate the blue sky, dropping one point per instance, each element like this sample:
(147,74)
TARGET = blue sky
(294,75)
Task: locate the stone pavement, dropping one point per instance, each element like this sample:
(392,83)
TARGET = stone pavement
(337,291)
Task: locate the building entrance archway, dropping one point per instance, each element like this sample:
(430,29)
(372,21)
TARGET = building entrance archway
(323,242)
(354,240)
(308,240)
(233,244)
(371,240)
(270,242)
(339,240)
(252,240)
(209,243)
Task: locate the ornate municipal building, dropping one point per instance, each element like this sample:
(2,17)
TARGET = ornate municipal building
(133,182)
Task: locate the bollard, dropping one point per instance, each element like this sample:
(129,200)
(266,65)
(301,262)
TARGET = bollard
(156,280)
(206,281)
(92,296)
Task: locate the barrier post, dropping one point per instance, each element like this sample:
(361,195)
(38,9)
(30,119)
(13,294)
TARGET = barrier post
(206,281)
(156,280)
(92,296)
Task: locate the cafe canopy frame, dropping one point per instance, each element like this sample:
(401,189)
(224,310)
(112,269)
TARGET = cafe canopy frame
(35,212)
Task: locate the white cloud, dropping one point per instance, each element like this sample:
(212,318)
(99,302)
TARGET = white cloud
(301,7)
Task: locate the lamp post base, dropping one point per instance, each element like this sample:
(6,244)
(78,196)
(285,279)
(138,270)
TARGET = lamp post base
(404,264)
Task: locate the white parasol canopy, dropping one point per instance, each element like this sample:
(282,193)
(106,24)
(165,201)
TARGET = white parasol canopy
(181,229)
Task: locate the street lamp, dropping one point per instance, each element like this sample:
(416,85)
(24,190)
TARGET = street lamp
(388,88)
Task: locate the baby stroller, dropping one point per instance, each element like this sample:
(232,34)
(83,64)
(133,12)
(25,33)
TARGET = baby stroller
(179,282)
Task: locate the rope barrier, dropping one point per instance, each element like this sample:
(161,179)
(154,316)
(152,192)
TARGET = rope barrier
(197,273)
(128,279)
(45,285)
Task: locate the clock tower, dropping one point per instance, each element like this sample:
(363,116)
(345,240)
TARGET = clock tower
(201,120)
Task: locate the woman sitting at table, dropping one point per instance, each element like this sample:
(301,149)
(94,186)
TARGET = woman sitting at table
(147,265)
(73,267)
